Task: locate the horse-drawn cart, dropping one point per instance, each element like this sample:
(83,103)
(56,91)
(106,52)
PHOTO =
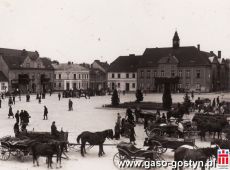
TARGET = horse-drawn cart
(161,129)
(161,144)
(128,152)
(15,147)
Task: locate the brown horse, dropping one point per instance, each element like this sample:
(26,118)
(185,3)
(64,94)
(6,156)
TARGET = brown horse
(47,150)
(201,154)
(96,138)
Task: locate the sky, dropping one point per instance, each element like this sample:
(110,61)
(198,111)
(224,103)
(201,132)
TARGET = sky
(85,30)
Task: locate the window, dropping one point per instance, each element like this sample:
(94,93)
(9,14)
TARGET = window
(127,75)
(197,86)
(187,73)
(74,86)
(79,76)
(59,76)
(172,73)
(180,73)
(3,86)
(155,73)
(39,65)
(118,75)
(74,76)
(133,85)
(162,73)
(59,85)
(148,74)
(142,74)
(54,76)
(118,85)
(187,86)
(54,84)
(134,75)
(198,74)
(27,65)
(112,75)
(179,86)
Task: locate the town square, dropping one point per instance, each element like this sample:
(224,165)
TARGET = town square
(126,84)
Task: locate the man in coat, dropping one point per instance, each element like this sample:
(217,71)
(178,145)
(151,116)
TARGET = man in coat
(45,113)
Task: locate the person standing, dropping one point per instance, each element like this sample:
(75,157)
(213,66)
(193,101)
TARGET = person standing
(14,100)
(218,100)
(132,136)
(45,113)
(10,112)
(59,96)
(17,116)
(39,99)
(117,131)
(54,130)
(192,94)
(119,119)
(70,105)
(16,129)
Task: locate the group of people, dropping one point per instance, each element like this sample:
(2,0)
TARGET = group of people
(124,124)
(22,119)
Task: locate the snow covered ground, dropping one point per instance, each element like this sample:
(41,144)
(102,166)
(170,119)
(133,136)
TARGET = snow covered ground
(88,114)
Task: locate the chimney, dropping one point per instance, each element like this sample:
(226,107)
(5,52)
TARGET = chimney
(211,52)
(219,54)
(198,47)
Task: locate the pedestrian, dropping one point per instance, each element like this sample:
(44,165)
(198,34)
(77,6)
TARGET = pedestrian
(218,100)
(17,116)
(59,96)
(132,136)
(45,113)
(16,129)
(192,94)
(21,116)
(10,102)
(119,119)
(54,130)
(14,100)
(70,105)
(117,131)
(10,112)
(39,99)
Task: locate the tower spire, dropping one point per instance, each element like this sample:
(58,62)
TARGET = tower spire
(176,40)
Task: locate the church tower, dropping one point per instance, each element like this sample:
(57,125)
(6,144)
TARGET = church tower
(176,40)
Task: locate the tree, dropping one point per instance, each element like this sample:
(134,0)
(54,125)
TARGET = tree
(139,95)
(115,99)
(167,99)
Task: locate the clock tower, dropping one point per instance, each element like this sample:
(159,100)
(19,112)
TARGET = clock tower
(176,40)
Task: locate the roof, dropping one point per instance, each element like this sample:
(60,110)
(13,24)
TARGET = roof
(125,64)
(104,65)
(69,67)
(15,58)
(186,56)
(3,78)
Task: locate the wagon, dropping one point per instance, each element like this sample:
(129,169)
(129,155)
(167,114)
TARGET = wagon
(15,147)
(161,129)
(128,152)
(161,144)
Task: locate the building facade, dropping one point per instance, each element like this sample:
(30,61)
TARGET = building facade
(26,71)
(70,76)
(122,73)
(98,75)
(3,83)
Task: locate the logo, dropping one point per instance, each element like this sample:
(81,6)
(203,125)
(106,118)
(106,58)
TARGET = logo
(223,158)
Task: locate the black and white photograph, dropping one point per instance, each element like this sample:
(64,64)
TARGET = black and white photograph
(114,84)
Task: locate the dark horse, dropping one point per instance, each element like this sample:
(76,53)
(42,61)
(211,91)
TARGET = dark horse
(96,138)
(201,154)
(48,150)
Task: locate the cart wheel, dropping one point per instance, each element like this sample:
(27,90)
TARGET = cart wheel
(157,147)
(156,132)
(117,159)
(4,153)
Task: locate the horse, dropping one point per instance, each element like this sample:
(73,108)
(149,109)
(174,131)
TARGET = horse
(96,138)
(201,154)
(48,150)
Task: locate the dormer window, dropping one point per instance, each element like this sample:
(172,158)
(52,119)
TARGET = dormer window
(28,65)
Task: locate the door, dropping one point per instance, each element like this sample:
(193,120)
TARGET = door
(126,86)
(67,86)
